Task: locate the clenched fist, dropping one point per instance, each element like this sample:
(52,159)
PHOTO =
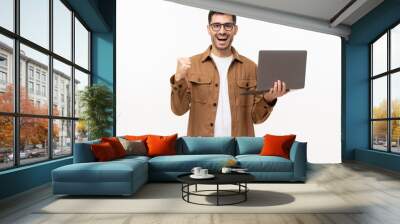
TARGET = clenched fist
(182,68)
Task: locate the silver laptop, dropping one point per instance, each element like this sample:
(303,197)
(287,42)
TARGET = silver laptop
(287,66)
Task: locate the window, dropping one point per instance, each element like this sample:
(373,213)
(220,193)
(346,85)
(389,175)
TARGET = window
(3,78)
(81,45)
(62,29)
(30,72)
(395,46)
(385,94)
(7,14)
(3,61)
(6,72)
(37,75)
(62,137)
(34,21)
(62,75)
(6,142)
(30,87)
(46,75)
(81,81)
(33,148)
(44,91)
(37,89)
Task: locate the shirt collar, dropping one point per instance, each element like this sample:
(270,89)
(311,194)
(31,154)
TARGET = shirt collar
(206,54)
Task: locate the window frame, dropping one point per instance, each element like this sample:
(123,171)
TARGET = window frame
(15,72)
(388,74)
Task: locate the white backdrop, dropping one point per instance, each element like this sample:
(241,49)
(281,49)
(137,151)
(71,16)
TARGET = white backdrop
(152,34)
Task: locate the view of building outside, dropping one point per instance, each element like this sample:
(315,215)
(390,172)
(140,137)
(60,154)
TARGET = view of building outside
(380,88)
(35,120)
(34,99)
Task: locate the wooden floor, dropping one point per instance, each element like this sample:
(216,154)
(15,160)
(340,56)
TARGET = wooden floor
(377,188)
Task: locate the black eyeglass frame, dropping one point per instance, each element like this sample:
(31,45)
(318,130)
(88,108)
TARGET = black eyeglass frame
(220,25)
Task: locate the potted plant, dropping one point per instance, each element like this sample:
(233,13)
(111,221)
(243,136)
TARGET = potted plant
(96,102)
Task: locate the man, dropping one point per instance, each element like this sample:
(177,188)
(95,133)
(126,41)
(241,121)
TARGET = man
(210,86)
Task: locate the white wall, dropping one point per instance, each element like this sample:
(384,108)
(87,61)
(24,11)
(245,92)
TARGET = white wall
(151,35)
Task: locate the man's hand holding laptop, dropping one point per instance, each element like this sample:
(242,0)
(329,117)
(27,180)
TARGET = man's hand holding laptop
(278,90)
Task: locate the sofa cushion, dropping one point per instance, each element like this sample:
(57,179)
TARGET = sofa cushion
(103,152)
(83,152)
(185,163)
(161,145)
(206,145)
(249,145)
(257,163)
(133,158)
(116,145)
(277,145)
(136,147)
(111,171)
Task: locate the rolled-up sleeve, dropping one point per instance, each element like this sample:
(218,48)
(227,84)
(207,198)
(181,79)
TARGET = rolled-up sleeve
(180,96)
(261,109)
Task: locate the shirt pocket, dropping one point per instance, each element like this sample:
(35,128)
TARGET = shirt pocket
(244,85)
(200,87)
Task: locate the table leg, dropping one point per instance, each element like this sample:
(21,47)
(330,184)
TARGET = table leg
(245,193)
(188,190)
(196,187)
(217,194)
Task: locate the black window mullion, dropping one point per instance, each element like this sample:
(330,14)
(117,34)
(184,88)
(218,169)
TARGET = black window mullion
(16,84)
(73,82)
(389,112)
(89,54)
(50,87)
(371,137)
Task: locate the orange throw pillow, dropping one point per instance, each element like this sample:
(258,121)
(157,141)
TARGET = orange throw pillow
(116,145)
(161,145)
(103,152)
(277,145)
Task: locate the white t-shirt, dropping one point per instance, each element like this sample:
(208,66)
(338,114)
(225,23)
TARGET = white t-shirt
(222,125)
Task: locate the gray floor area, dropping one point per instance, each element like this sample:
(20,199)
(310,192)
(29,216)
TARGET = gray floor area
(377,188)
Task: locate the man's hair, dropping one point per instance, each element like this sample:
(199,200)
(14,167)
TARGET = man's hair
(211,13)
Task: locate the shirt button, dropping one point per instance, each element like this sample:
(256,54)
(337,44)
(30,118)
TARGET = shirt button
(216,84)
(211,124)
(214,104)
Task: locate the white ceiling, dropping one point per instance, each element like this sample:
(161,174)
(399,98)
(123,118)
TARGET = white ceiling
(316,15)
(321,9)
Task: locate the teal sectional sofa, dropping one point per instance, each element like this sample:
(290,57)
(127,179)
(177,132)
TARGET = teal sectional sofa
(125,176)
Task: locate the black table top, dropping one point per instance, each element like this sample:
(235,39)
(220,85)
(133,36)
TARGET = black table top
(220,178)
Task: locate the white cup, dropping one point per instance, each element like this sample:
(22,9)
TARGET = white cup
(203,172)
(226,170)
(196,171)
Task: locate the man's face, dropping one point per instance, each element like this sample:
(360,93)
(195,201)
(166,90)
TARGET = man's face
(222,35)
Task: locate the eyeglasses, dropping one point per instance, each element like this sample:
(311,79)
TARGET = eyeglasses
(217,26)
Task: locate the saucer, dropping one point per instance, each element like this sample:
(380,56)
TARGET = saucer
(208,176)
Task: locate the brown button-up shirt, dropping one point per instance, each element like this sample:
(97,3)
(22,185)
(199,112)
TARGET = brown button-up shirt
(199,94)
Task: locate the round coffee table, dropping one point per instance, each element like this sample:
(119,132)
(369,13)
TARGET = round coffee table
(238,179)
